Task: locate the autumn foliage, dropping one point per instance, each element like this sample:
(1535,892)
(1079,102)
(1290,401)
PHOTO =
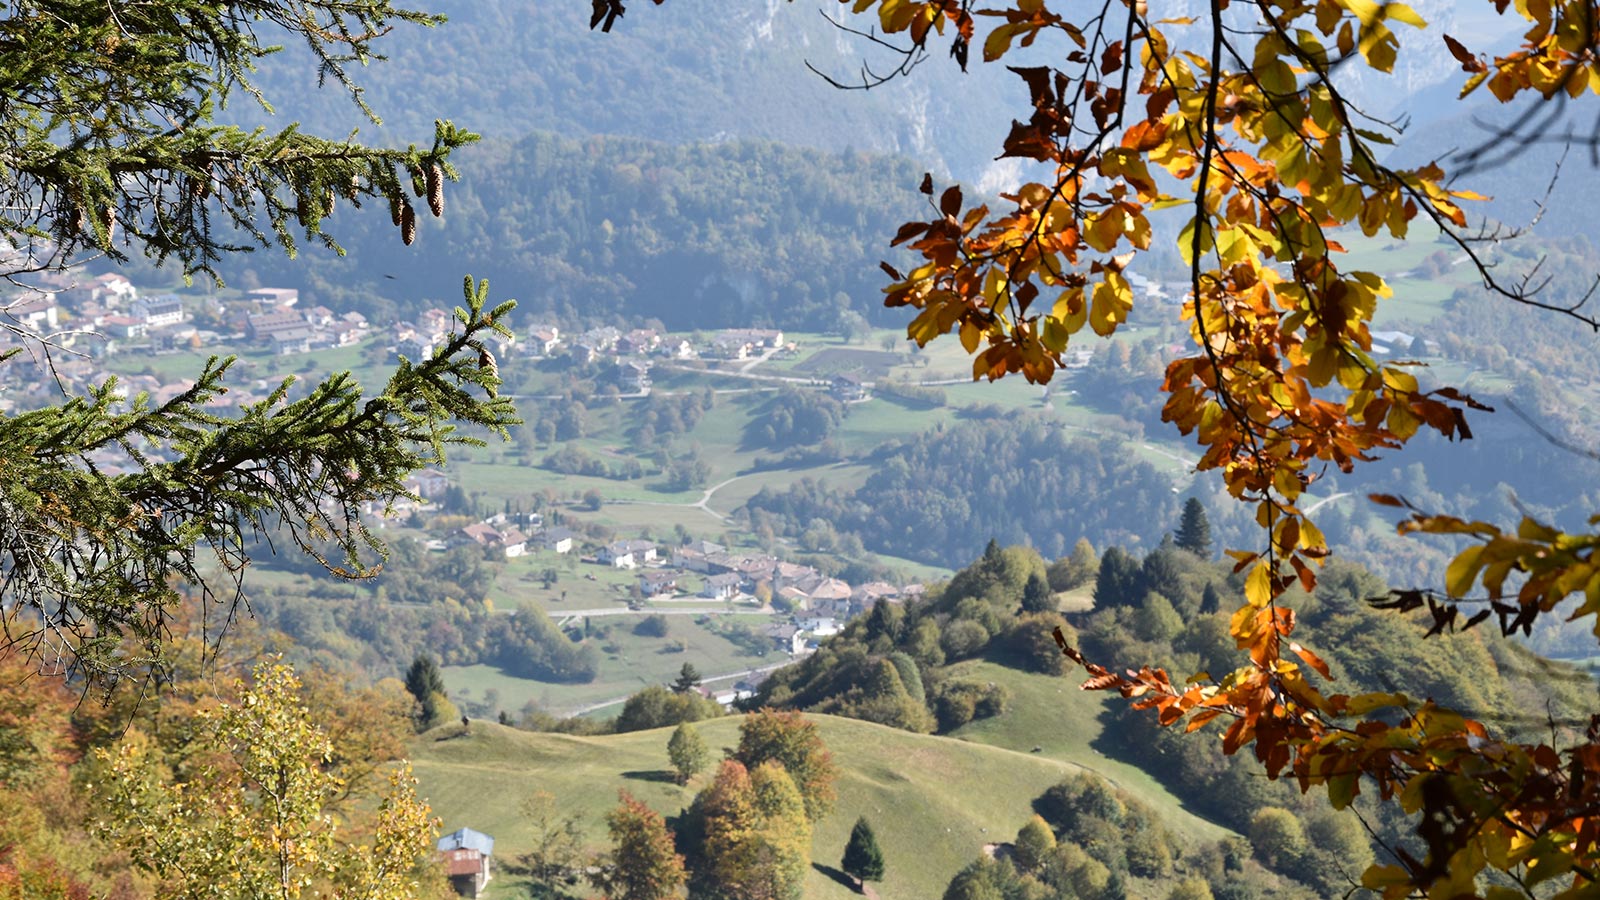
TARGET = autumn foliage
(1236,120)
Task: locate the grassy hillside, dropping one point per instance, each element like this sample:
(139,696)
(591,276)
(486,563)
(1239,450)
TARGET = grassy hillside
(933,801)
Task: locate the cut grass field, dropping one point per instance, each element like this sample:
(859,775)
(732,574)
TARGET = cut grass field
(933,802)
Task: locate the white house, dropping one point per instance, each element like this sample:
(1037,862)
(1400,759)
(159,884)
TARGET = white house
(618,555)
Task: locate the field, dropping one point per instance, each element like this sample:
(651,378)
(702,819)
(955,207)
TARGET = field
(915,789)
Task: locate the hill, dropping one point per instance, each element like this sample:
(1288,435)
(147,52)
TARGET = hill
(920,792)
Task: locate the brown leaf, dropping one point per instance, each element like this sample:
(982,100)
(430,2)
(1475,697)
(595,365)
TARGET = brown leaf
(1469,63)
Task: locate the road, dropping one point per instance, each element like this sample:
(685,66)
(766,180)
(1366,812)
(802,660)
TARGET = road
(591,707)
(565,614)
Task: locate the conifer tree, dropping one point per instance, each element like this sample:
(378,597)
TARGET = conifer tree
(425,683)
(1037,596)
(688,679)
(112,146)
(862,858)
(1120,581)
(1194,530)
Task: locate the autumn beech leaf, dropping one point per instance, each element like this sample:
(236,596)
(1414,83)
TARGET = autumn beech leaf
(1277,381)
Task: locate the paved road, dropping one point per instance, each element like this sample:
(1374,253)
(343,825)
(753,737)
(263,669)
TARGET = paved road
(591,707)
(655,610)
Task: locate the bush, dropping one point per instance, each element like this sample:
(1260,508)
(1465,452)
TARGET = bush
(652,626)
(963,639)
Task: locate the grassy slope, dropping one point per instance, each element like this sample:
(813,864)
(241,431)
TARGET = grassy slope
(1051,713)
(933,801)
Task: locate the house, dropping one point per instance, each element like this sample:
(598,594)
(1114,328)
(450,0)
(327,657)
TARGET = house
(848,388)
(36,311)
(415,348)
(514,542)
(695,556)
(511,541)
(558,539)
(643,551)
(677,348)
(632,374)
(543,340)
(640,340)
(820,626)
(467,854)
(788,638)
(125,326)
(164,309)
(262,326)
(656,583)
(618,555)
(430,483)
(292,340)
(721,587)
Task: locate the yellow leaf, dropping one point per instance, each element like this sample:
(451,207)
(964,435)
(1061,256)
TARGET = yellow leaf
(1258,586)
(1110,304)
(970,334)
(1463,571)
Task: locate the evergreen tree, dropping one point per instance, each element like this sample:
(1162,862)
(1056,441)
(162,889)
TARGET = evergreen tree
(688,679)
(1037,596)
(1209,601)
(687,751)
(643,863)
(1120,581)
(111,146)
(426,684)
(1194,530)
(862,858)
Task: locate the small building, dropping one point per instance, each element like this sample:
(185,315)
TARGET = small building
(788,638)
(467,855)
(721,587)
(558,539)
(658,583)
(430,483)
(618,555)
(289,341)
(848,388)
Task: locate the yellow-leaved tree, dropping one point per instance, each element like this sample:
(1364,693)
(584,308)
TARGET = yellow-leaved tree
(1236,118)
(252,810)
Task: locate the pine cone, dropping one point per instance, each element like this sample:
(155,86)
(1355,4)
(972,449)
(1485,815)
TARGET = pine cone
(435,189)
(108,219)
(487,362)
(408,223)
(394,210)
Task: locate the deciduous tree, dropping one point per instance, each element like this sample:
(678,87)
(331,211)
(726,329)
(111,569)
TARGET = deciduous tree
(1237,119)
(687,751)
(252,818)
(643,864)
(792,740)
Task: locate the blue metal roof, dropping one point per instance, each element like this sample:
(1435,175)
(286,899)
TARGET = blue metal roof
(467,839)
